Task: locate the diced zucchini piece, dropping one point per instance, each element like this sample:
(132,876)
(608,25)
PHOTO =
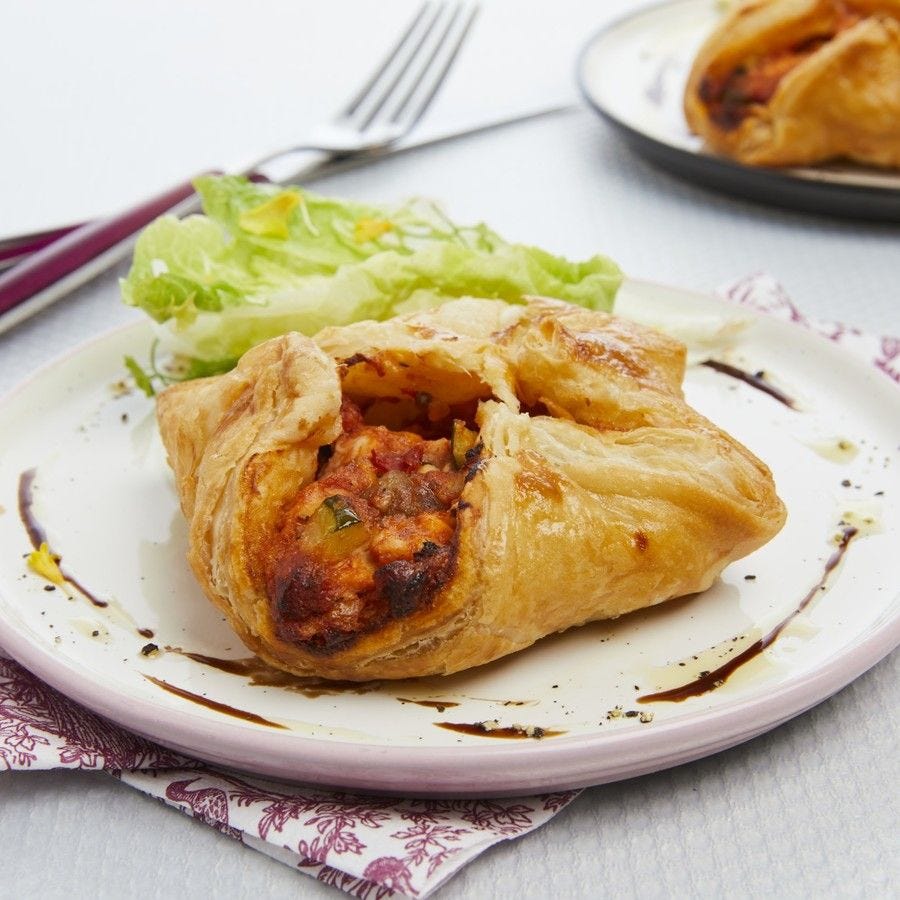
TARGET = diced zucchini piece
(342,514)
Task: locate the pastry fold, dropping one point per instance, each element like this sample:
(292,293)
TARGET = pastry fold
(798,82)
(345,536)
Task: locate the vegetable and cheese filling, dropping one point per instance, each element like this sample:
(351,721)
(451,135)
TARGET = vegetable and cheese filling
(373,538)
(730,95)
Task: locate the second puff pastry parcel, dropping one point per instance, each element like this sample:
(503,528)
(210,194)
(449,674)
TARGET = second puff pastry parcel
(796,82)
(426,494)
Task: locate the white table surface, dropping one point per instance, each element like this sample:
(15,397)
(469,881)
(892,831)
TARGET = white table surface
(807,810)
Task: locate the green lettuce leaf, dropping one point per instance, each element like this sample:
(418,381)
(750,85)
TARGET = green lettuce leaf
(264,260)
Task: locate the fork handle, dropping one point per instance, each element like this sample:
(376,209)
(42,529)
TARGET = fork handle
(81,245)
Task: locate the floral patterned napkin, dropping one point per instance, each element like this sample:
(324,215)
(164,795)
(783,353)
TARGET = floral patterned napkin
(371,847)
(764,294)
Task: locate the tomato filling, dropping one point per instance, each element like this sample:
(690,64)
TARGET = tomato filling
(373,538)
(731,95)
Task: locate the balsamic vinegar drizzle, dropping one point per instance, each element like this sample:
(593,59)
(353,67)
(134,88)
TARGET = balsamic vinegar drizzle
(212,704)
(38,536)
(711,680)
(232,666)
(755,380)
(439,705)
(262,675)
(26,499)
(515,732)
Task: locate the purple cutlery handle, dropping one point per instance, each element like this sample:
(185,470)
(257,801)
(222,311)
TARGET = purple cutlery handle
(15,249)
(56,260)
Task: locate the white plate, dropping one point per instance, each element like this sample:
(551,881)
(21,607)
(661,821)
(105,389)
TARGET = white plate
(105,496)
(633,72)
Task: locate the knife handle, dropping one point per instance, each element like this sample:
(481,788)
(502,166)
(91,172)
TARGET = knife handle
(73,250)
(15,249)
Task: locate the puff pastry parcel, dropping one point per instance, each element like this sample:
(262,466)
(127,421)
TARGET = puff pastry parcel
(429,493)
(795,82)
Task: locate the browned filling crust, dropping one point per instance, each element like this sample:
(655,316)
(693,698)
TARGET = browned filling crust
(730,96)
(374,537)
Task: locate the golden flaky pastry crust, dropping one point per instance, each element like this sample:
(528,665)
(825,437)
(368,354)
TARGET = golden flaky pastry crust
(838,98)
(618,496)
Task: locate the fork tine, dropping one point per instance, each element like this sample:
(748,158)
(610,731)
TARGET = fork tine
(404,66)
(440,75)
(379,73)
(435,34)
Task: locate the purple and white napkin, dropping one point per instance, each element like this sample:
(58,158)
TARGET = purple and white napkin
(368,846)
(764,294)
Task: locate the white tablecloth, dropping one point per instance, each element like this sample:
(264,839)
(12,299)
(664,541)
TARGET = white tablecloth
(808,810)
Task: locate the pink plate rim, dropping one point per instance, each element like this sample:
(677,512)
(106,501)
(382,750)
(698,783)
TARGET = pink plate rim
(470,771)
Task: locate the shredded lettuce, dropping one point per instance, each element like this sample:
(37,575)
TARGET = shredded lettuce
(264,260)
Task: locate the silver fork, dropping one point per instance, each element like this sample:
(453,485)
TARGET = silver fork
(400,90)
(384,110)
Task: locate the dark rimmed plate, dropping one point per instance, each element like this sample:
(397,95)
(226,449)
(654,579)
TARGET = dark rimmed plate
(633,73)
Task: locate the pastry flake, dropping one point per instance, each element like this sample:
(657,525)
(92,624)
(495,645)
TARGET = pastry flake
(427,494)
(798,82)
